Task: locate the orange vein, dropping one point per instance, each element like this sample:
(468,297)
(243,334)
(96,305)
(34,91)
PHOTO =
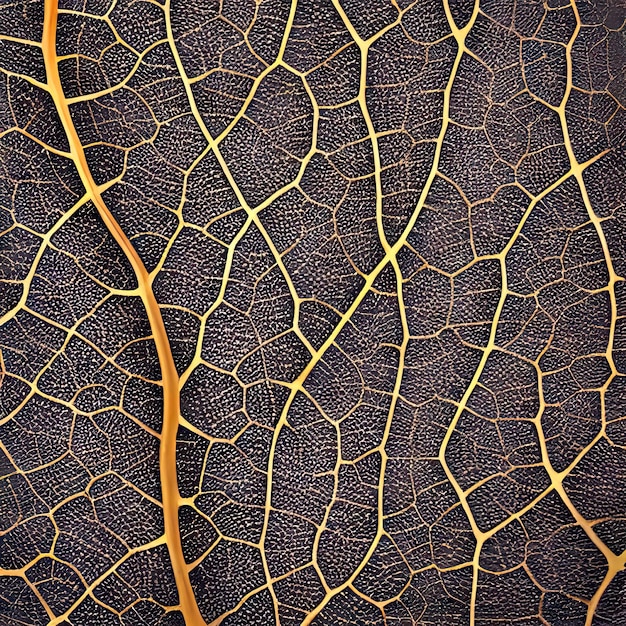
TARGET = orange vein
(171,402)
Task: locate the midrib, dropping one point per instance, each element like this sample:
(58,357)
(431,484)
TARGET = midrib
(171,400)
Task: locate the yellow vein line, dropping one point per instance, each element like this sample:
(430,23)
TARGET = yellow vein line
(171,403)
(252,213)
(615,563)
(481,537)
(576,170)
(362,100)
(45,241)
(389,257)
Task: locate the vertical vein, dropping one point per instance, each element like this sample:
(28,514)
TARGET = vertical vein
(169,375)
(253,213)
(615,562)
(390,257)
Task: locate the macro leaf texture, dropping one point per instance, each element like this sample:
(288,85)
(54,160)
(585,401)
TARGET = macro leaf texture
(312,312)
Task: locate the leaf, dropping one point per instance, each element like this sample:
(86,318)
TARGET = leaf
(312,313)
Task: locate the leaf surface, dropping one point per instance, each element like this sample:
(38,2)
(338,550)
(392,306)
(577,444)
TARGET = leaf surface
(312,313)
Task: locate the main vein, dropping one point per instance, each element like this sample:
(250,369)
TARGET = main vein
(169,375)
